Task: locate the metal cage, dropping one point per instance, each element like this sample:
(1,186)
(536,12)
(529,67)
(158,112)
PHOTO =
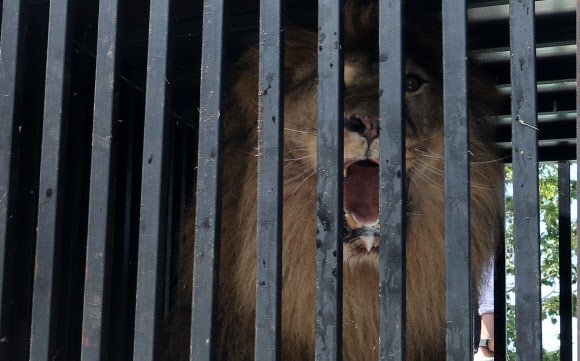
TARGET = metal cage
(110,133)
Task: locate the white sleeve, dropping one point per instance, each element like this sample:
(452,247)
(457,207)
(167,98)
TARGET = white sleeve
(486,290)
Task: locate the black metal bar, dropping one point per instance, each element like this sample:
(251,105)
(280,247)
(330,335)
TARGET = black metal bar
(152,231)
(172,159)
(565,256)
(525,171)
(99,228)
(392,268)
(208,203)
(500,324)
(48,212)
(269,226)
(8,54)
(328,323)
(124,248)
(457,212)
(577,158)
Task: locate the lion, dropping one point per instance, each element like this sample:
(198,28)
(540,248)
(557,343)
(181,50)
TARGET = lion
(425,240)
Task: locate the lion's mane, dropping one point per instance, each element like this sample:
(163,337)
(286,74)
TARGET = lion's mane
(425,222)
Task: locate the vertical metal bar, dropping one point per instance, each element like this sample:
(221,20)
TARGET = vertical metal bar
(172,160)
(525,170)
(152,222)
(8,53)
(328,323)
(457,212)
(565,256)
(46,232)
(99,208)
(392,268)
(577,160)
(124,248)
(269,226)
(500,293)
(208,202)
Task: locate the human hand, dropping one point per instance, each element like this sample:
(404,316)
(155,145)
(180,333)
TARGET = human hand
(483,354)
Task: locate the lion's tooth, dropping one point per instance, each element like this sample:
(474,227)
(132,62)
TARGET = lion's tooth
(374,224)
(352,223)
(369,241)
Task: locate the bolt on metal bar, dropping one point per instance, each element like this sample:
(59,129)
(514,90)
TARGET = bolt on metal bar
(392,284)
(47,237)
(99,225)
(457,195)
(565,260)
(525,172)
(270,150)
(9,37)
(209,175)
(328,322)
(152,222)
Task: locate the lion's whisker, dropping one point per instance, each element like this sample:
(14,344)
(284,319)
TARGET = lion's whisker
(440,173)
(299,125)
(292,161)
(431,136)
(490,161)
(430,167)
(295,190)
(428,180)
(296,150)
(299,158)
(302,142)
(419,187)
(429,153)
(298,176)
(415,181)
(483,117)
(298,131)
(477,185)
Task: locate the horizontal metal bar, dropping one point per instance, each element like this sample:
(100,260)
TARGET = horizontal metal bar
(543,118)
(457,199)
(543,51)
(47,228)
(525,173)
(152,221)
(565,258)
(269,226)
(544,143)
(208,206)
(328,322)
(9,37)
(546,86)
(99,207)
(501,10)
(392,250)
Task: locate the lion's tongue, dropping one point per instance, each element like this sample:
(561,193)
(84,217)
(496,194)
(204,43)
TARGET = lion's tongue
(361,192)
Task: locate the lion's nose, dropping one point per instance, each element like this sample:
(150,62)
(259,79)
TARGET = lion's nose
(367,126)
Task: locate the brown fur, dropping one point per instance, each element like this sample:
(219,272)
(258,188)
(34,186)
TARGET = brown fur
(425,222)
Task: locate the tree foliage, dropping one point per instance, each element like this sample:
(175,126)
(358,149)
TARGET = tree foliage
(549,244)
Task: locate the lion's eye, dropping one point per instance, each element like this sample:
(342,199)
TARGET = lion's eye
(413,83)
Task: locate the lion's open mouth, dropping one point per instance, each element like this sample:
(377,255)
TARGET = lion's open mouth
(361,203)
